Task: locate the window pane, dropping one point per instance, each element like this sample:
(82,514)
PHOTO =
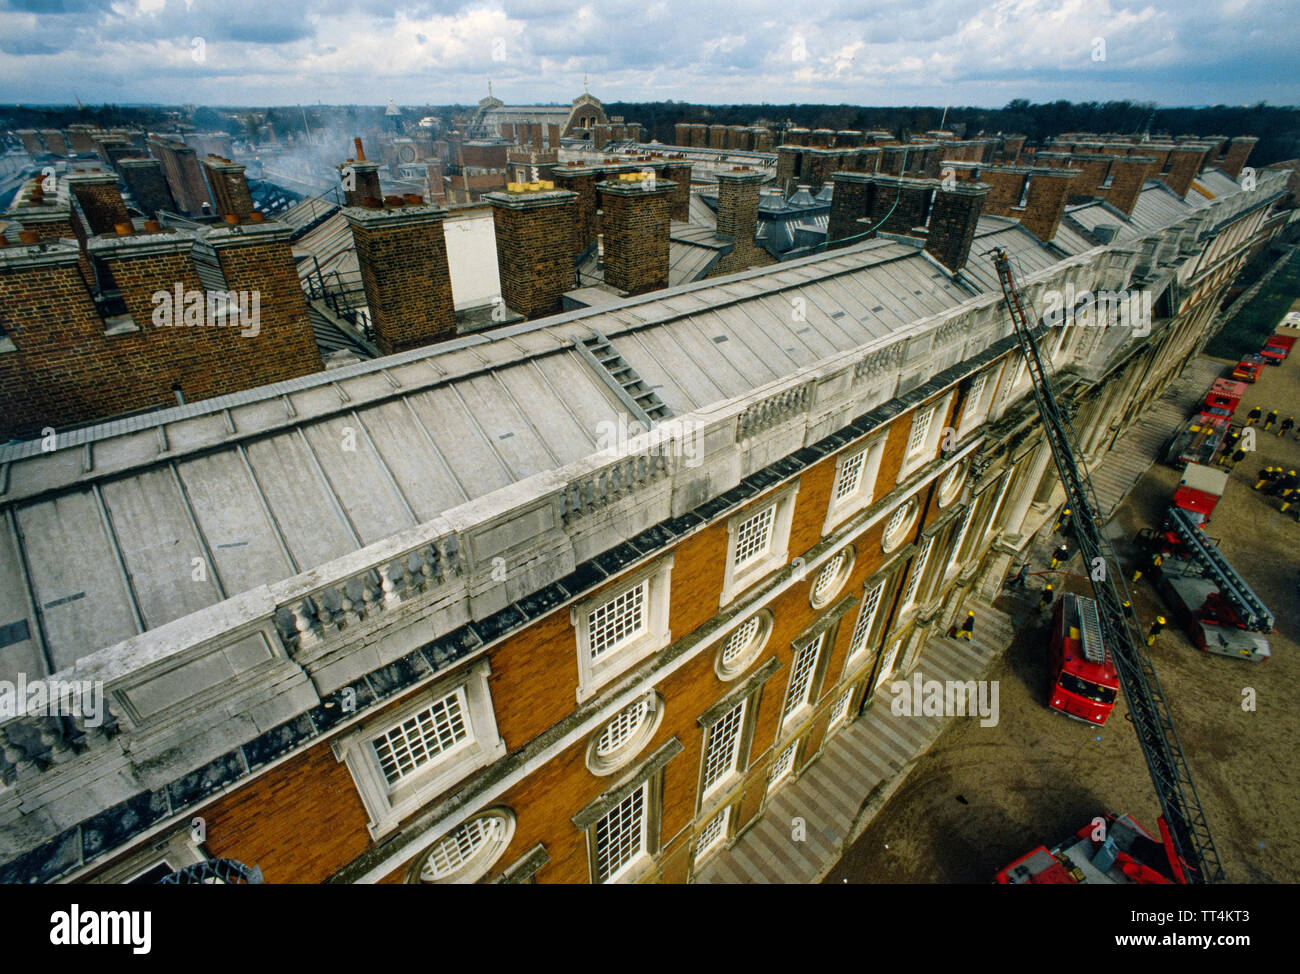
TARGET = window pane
(422,737)
(724,746)
(620,835)
(754,536)
(801,676)
(617,621)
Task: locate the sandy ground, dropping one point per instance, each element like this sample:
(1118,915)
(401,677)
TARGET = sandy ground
(983,796)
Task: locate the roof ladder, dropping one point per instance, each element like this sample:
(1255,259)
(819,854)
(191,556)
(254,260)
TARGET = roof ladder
(626,383)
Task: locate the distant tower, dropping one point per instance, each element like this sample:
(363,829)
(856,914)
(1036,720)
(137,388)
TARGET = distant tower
(394,113)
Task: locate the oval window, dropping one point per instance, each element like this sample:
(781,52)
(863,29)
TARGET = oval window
(742,647)
(624,735)
(467,852)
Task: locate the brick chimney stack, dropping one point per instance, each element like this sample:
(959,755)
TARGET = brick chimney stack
(148,185)
(636,211)
(1184,166)
(403,256)
(1049,190)
(536,235)
(953,218)
(363,178)
(1234,160)
(738,217)
(184,176)
(99,198)
(229,187)
(1128,174)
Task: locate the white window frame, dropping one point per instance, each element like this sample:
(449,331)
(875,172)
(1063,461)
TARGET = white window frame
(976,410)
(644,854)
(792,713)
(904,527)
(841,509)
(842,708)
(734,768)
(704,848)
(932,415)
(841,564)
(919,563)
(603,764)
(501,830)
(175,851)
(387,805)
(873,595)
(951,482)
(736,580)
(775,781)
(593,674)
(729,671)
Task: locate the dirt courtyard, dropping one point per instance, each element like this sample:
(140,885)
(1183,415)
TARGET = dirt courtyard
(981,796)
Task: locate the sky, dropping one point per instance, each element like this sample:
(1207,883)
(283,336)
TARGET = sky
(927,52)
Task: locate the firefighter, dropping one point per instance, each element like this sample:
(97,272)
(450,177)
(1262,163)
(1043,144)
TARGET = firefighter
(1062,522)
(1283,483)
(1127,606)
(1156,561)
(1286,426)
(1236,459)
(1272,418)
(1045,599)
(1018,580)
(1265,476)
(1253,417)
(967,627)
(1156,628)
(1286,488)
(1060,555)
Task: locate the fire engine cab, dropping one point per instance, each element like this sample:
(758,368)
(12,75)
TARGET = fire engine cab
(1085,683)
(1111,850)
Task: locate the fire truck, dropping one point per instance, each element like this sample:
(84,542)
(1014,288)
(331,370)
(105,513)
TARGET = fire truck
(1084,683)
(1223,398)
(1198,441)
(1277,348)
(1199,491)
(1107,851)
(1210,600)
(1247,370)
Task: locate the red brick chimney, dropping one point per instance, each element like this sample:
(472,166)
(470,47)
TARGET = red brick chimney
(954,215)
(1184,166)
(360,181)
(536,232)
(738,218)
(1234,160)
(1049,191)
(229,187)
(636,212)
(99,198)
(1128,174)
(403,256)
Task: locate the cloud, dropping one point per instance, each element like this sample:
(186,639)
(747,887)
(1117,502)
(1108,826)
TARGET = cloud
(929,52)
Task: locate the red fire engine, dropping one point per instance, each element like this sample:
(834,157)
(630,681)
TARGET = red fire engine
(1277,348)
(1247,370)
(1085,682)
(1224,397)
(1199,491)
(1110,850)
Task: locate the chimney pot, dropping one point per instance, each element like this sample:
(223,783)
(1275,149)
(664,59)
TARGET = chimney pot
(413,198)
(257,216)
(153,226)
(232,218)
(361,152)
(391,200)
(122,229)
(28,237)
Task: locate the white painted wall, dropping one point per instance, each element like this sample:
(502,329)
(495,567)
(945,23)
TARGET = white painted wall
(472,256)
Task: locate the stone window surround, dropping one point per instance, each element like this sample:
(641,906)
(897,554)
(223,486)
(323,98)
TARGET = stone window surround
(840,511)
(482,860)
(828,626)
(595,674)
(602,765)
(752,691)
(386,805)
(915,461)
(733,582)
(648,771)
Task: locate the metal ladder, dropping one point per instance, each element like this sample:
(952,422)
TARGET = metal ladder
(1152,720)
(1215,567)
(641,400)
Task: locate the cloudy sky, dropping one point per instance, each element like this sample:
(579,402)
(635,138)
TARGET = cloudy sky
(934,52)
